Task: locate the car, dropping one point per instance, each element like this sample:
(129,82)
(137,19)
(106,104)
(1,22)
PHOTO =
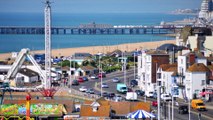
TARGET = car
(166,97)
(75,82)
(80,80)
(90,91)
(149,94)
(117,98)
(85,78)
(105,94)
(129,90)
(133,83)
(139,92)
(94,77)
(154,103)
(183,109)
(111,95)
(116,80)
(83,89)
(103,74)
(104,85)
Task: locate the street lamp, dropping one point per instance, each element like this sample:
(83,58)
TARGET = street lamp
(158,91)
(134,65)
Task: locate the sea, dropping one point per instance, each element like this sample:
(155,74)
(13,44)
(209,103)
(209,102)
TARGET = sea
(14,43)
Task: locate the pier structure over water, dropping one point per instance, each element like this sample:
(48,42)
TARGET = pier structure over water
(93,29)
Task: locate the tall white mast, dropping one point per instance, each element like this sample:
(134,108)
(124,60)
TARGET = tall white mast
(47,16)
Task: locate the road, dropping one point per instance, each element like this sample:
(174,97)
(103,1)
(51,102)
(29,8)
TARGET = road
(130,76)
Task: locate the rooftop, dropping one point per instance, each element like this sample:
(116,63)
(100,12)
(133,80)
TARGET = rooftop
(198,67)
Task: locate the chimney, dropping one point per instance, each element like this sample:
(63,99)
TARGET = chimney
(191,58)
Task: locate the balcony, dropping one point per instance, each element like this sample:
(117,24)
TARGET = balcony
(180,84)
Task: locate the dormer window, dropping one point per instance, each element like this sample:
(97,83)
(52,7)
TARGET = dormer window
(95,106)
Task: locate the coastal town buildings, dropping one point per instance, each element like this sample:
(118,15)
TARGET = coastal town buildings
(206,11)
(148,63)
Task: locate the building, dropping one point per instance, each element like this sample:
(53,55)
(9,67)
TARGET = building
(27,76)
(206,11)
(196,77)
(148,63)
(165,72)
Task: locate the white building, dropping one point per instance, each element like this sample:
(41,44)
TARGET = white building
(148,62)
(27,76)
(165,72)
(196,77)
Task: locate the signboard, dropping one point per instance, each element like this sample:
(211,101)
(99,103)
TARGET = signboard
(35,109)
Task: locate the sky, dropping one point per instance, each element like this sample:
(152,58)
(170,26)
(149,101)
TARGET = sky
(98,6)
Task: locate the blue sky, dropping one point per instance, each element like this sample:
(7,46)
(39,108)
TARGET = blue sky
(98,6)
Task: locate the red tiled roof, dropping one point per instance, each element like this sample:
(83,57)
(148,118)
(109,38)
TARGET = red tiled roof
(164,67)
(172,69)
(127,107)
(198,67)
(87,110)
(156,52)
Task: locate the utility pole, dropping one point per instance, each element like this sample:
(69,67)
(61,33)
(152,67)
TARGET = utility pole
(134,65)
(158,93)
(100,73)
(173,103)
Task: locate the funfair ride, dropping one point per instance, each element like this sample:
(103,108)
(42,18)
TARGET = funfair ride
(45,88)
(47,91)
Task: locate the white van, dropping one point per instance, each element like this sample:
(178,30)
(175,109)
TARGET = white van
(150,94)
(131,96)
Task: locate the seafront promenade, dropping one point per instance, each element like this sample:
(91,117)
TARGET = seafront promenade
(99,49)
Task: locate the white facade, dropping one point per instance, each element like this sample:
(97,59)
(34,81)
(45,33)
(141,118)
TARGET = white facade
(201,60)
(26,79)
(195,82)
(182,64)
(208,44)
(145,73)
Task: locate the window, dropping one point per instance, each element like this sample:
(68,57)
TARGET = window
(203,82)
(181,61)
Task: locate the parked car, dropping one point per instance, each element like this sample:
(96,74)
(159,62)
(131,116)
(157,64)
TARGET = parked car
(183,109)
(117,98)
(149,94)
(75,82)
(111,95)
(129,90)
(80,80)
(94,77)
(116,80)
(154,103)
(133,83)
(166,97)
(83,89)
(90,91)
(104,85)
(85,78)
(139,92)
(103,74)
(105,94)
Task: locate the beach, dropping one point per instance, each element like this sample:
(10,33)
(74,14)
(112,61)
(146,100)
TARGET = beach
(97,49)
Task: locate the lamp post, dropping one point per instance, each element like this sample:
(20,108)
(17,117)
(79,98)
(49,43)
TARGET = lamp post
(134,65)
(189,103)
(158,90)
(100,72)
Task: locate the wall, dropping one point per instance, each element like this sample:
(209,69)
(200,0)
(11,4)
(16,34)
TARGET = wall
(194,82)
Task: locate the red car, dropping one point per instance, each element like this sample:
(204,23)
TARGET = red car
(154,103)
(102,74)
(80,80)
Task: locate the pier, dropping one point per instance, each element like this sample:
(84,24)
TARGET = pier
(92,29)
